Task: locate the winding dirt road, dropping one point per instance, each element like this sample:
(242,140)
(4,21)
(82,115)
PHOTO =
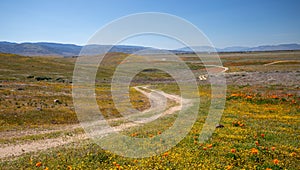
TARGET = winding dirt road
(281,61)
(156,98)
(212,70)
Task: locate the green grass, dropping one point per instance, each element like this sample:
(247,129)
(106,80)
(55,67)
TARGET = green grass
(250,111)
(280,132)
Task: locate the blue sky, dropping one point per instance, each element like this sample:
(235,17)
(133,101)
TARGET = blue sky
(225,22)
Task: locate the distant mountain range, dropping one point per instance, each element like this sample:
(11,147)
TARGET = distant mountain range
(280,47)
(57,49)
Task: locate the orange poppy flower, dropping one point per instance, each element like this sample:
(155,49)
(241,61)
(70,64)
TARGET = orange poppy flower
(233,150)
(134,134)
(118,166)
(38,164)
(228,167)
(235,95)
(166,154)
(273,148)
(275,161)
(254,151)
(249,97)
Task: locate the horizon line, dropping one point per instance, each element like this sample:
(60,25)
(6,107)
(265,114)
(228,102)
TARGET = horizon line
(68,43)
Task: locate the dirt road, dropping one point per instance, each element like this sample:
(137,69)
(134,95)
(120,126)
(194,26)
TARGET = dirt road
(156,98)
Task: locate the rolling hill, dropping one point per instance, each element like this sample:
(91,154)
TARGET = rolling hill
(58,49)
(280,47)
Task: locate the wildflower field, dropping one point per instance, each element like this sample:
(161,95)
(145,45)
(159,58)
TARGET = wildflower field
(259,128)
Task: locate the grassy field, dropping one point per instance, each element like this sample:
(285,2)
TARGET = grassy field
(261,120)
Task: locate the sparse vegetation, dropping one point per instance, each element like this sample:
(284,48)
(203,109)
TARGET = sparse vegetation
(261,120)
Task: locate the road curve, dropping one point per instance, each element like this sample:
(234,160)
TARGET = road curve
(15,150)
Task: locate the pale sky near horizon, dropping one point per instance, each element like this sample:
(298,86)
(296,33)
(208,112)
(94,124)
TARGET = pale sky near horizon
(224,22)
